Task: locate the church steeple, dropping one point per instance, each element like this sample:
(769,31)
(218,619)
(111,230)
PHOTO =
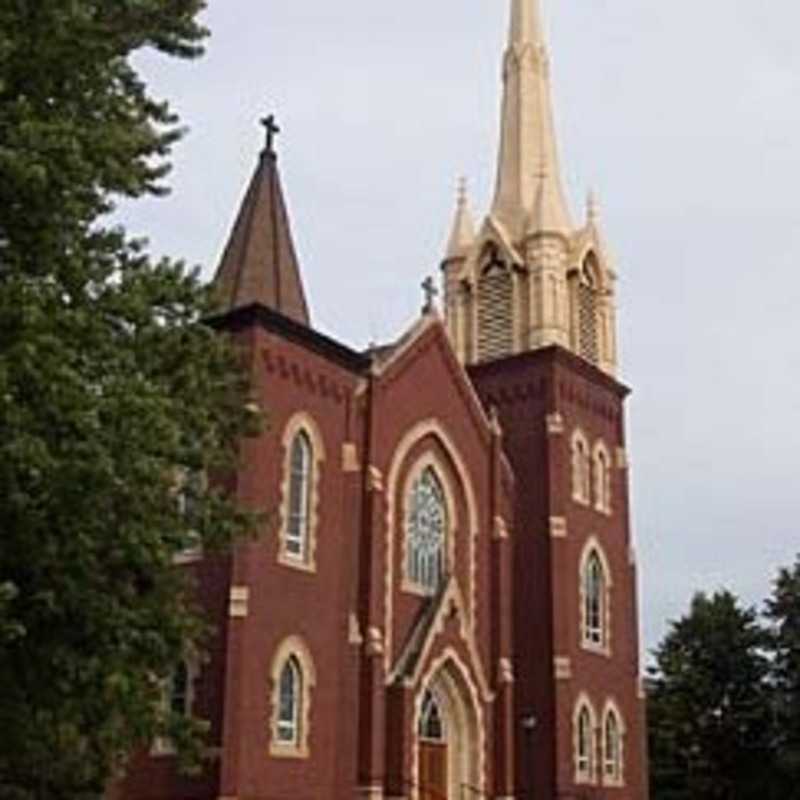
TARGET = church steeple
(530,278)
(528,191)
(260,264)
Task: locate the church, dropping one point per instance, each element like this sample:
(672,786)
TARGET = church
(443,603)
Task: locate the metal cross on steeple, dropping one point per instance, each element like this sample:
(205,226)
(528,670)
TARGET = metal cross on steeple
(272,130)
(430,290)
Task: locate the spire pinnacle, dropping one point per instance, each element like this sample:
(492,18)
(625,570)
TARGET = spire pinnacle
(528,149)
(463,231)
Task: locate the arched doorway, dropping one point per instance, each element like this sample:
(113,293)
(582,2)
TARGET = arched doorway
(448,754)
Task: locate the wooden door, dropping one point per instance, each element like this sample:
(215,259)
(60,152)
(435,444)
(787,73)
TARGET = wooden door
(433,776)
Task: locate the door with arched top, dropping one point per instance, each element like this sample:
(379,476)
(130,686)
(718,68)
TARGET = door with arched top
(433,754)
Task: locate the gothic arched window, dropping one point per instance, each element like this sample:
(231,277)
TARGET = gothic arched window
(601,468)
(612,748)
(495,310)
(595,601)
(426,531)
(584,744)
(431,722)
(289,703)
(581,469)
(298,524)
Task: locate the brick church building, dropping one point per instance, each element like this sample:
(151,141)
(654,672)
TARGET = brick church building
(443,604)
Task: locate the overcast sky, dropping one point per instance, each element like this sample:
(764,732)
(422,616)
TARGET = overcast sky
(685,118)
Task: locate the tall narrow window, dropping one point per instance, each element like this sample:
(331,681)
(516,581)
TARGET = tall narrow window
(584,746)
(612,748)
(601,468)
(297,529)
(594,601)
(289,700)
(581,469)
(426,529)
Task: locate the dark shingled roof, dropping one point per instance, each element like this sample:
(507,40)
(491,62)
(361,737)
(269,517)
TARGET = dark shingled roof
(259,264)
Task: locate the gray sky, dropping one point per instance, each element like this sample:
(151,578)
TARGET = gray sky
(685,118)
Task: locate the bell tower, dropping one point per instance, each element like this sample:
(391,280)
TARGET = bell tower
(530,310)
(530,278)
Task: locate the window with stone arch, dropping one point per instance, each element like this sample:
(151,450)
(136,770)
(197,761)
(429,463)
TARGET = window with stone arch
(495,308)
(584,742)
(595,582)
(581,468)
(292,678)
(426,532)
(613,764)
(303,456)
(601,471)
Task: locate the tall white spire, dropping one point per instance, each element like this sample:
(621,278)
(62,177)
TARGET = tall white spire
(529,192)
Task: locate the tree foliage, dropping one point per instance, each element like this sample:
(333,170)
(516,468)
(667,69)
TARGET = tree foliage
(109,389)
(783,612)
(710,711)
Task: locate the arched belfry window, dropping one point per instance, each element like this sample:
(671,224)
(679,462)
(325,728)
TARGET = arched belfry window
(426,532)
(297,528)
(495,308)
(588,333)
(431,721)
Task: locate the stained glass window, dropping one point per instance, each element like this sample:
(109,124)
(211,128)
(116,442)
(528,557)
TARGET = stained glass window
(426,531)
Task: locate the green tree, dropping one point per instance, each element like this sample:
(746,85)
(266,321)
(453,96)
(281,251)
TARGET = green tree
(783,611)
(110,388)
(709,709)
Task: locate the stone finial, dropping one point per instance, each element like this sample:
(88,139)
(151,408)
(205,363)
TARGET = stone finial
(462,234)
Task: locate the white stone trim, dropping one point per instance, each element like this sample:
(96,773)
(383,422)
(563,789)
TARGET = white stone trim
(558,528)
(555,424)
(601,477)
(239,602)
(562,668)
(580,468)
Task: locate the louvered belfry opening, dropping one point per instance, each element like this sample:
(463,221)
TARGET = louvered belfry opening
(495,311)
(588,338)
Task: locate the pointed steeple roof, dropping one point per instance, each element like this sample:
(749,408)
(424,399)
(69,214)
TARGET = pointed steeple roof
(260,264)
(462,234)
(528,174)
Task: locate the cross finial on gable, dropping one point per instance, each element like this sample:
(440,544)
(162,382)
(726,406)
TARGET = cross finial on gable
(272,129)
(430,291)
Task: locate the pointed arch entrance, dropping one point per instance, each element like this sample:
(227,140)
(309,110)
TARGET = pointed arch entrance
(448,739)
